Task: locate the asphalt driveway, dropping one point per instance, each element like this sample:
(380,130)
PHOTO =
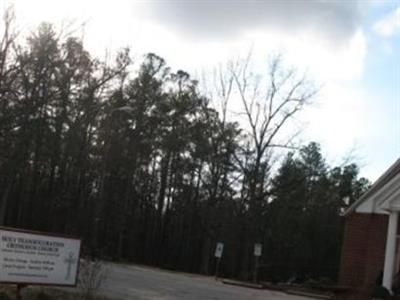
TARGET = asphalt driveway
(143,283)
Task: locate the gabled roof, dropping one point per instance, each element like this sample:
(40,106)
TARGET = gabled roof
(377,186)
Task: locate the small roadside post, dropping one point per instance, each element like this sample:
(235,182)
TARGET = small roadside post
(19,288)
(219,249)
(257,254)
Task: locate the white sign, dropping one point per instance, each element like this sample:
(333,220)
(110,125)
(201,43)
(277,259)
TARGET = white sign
(219,249)
(257,249)
(34,258)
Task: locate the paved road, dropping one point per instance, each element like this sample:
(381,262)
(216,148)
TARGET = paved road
(142,283)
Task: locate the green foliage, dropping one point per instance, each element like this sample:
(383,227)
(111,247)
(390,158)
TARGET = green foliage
(319,284)
(380,292)
(307,199)
(4,296)
(39,295)
(134,159)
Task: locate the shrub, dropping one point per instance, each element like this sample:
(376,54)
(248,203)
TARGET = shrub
(92,275)
(380,292)
(39,295)
(4,296)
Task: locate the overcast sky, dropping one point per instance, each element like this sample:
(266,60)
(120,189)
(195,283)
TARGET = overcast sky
(351,48)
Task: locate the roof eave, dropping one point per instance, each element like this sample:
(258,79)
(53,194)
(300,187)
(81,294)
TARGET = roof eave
(374,188)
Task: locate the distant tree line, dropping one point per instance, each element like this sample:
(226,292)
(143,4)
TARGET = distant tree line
(133,158)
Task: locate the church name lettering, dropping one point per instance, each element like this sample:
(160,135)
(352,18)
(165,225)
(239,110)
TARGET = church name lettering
(31,244)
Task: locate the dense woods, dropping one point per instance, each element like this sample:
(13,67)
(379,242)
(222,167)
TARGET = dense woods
(134,159)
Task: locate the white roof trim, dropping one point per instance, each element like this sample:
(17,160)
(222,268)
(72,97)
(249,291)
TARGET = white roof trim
(387,194)
(394,201)
(364,204)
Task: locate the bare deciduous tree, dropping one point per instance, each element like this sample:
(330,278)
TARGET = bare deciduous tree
(269,104)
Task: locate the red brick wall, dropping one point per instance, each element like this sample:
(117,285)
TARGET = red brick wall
(363,253)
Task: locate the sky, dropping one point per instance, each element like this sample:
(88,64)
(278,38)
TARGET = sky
(350,48)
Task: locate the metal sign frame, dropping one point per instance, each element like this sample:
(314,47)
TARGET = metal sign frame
(44,234)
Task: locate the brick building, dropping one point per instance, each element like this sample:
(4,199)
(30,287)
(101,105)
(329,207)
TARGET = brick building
(370,252)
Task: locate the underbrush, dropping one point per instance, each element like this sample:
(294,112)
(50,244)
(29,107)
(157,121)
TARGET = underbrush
(34,293)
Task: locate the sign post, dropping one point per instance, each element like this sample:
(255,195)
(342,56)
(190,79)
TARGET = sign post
(218,254)
(19,288)
(257,254)
(34,258)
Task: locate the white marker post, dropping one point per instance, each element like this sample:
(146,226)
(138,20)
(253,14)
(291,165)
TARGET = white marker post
(218,254)
(28,258)
(257,254)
